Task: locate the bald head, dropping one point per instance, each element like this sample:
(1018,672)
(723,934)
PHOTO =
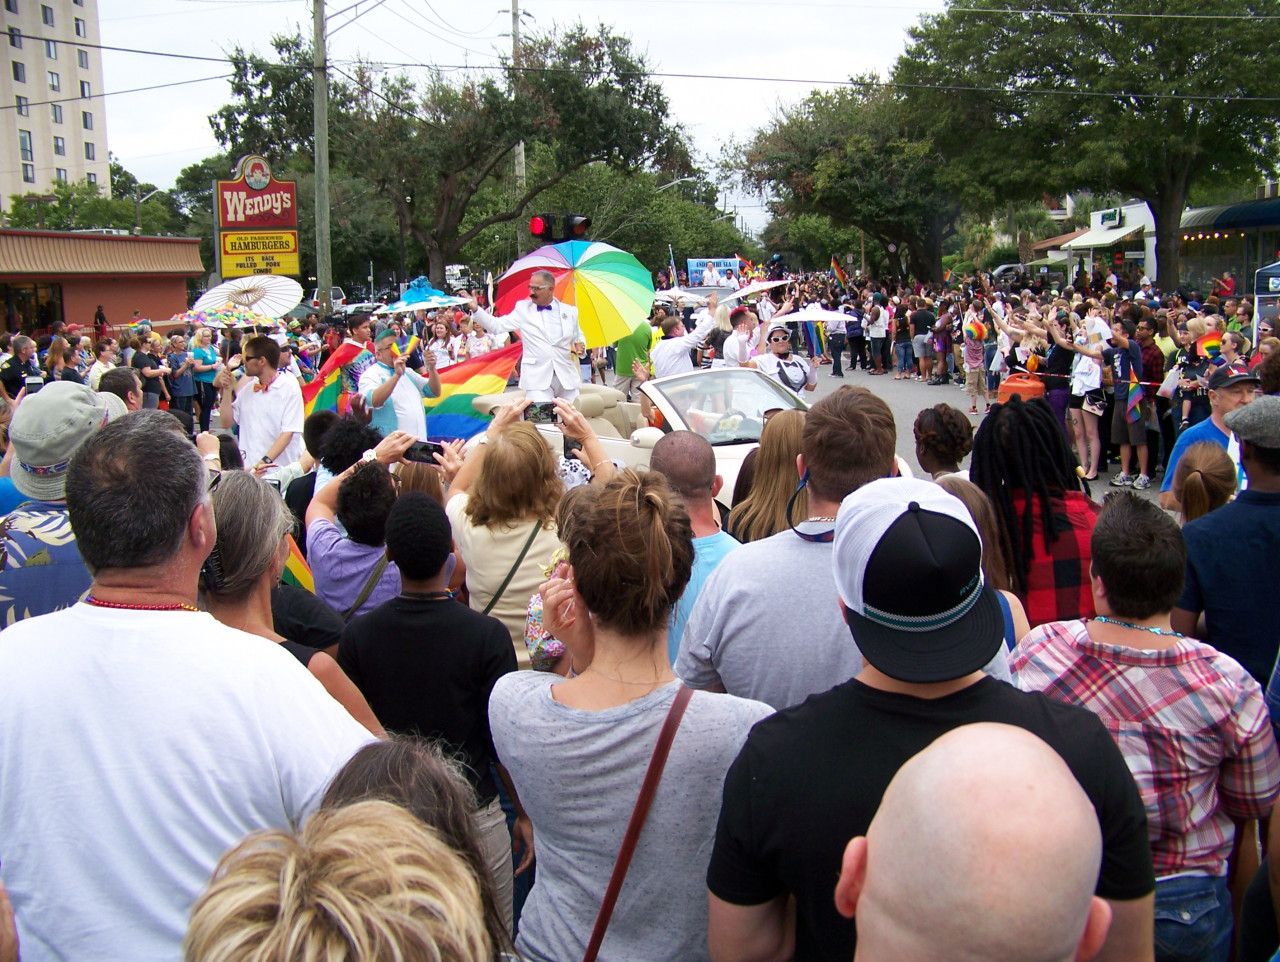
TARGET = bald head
(688,462)
(984,847)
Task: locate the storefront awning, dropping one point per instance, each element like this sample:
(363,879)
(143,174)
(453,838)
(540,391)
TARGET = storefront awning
(46,253)
(1102,237)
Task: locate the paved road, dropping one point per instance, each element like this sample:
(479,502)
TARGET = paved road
(908,398)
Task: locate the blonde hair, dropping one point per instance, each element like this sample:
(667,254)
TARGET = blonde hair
(363,883)
(517,480)
(723,323)
(1196,327)
(763,512)
(419,476)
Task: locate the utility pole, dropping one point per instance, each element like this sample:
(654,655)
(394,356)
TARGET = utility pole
(522,242)
(320,85)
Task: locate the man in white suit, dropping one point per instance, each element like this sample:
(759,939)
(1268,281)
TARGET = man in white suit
(549,330)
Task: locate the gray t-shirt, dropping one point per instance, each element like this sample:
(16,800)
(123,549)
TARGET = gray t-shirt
(578,774)
(768,625)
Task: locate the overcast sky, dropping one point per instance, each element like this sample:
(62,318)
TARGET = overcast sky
(158,132)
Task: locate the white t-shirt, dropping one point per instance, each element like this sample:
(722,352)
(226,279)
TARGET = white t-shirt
(136,747)
(736,345)
(264,415)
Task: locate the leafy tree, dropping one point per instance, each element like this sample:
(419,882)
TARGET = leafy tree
(83,206)
(852,155)
(1059,96)
(810,241)
(430,148)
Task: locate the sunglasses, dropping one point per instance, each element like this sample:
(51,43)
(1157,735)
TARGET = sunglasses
(778,340)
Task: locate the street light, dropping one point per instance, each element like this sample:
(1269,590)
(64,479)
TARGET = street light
(682,180)
(137,227)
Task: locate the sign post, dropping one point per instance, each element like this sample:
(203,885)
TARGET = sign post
(255,221)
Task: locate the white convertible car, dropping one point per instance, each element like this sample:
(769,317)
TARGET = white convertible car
(727,406)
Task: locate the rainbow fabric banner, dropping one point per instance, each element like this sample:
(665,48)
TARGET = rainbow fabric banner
(815,337)
(1210,345)
(451,415)
(324,393)
(1133,409)
(296,570)
(841,278)
(946,278)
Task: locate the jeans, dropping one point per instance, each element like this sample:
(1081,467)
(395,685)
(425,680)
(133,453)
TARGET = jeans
(1193,919)
(181,402)
(150,401)
(903,351)
(208,397)
(495,847)
(989,355)
(835,344)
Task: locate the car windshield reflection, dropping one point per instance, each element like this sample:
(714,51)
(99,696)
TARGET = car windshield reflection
(724,405)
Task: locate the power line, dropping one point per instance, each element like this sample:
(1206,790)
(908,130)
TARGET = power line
(116,93)
(898,8)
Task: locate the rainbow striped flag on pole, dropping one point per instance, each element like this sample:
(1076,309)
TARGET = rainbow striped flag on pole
(296,570)
(1133,407)
(325,390)
(451,415)
(839,273)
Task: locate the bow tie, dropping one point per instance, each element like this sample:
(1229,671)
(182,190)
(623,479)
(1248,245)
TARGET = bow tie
(264,387)
(543,307)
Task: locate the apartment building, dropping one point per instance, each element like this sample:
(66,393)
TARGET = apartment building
(53,124)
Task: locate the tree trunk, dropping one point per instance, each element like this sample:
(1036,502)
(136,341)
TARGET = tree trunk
(435,264)
(1168,214)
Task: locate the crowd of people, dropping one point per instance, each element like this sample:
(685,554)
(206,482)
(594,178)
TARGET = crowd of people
(526,705)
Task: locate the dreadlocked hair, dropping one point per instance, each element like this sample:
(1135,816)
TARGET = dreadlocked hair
(1021,447)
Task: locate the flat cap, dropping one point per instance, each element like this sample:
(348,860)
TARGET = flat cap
(1258,423)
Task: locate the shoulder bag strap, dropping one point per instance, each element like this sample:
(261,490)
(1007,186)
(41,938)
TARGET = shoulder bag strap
(648,789)
(367,590)
(497,595)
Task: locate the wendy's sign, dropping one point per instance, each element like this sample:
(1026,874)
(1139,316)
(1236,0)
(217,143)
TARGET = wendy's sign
(256,218)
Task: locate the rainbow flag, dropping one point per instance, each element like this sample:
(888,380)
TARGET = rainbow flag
(946,278)
(1210,345)
(841,278)
(406,345)
(744,265)
(1133,410)
(451,415)
(815,337)
(296,570)
(325,391)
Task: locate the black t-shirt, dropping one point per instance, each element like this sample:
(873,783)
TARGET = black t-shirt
(298,496)
(13,374)
(811,777)
(299,615)
(142,361)
(428,668)
(922,322)
(1058,368)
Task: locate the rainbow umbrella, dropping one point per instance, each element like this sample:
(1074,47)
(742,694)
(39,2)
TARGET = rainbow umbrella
(612,291)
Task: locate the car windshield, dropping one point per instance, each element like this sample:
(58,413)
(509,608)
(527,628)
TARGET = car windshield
(725,405)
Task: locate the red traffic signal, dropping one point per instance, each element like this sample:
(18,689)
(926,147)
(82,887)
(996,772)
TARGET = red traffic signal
(542,226)
(576,226)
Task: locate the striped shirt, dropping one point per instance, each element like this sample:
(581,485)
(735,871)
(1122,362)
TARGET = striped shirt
(1192,726)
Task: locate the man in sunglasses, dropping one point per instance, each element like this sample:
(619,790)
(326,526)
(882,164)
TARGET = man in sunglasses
(551,336)
(788,369)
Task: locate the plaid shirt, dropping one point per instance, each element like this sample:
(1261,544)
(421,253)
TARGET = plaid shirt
(1152,369)
(1190,722)
(1058,586)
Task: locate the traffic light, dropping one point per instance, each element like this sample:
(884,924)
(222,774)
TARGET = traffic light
(571,227)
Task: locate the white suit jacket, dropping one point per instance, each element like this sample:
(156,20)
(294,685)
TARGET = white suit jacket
(544,353)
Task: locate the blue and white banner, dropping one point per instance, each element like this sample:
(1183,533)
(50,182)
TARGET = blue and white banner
(698,267)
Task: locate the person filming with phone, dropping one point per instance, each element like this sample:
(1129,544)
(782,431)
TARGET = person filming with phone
(393,392)
(551,336)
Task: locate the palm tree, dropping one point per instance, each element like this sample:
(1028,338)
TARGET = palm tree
(1086,204)
(1029,223)
(978,243)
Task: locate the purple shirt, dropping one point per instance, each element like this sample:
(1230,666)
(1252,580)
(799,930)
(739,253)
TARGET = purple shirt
(342,566)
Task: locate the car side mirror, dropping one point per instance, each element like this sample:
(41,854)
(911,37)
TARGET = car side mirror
(646,437)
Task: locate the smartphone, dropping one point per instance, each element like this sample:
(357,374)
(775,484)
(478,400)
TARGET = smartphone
(34,383)
(571,445)
(542,412)
(424,452)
